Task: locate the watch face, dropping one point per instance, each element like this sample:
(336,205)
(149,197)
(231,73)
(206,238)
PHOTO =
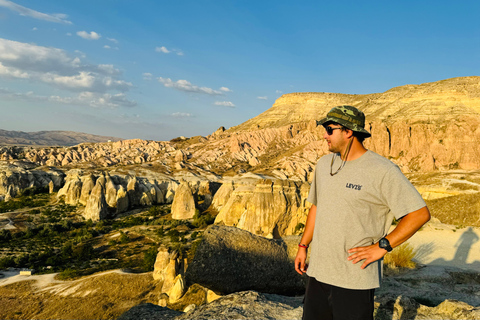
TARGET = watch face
(383,243)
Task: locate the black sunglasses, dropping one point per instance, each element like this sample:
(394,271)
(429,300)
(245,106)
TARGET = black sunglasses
(330,130)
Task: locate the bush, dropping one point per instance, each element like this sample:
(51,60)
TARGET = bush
(400,257)
(68,274)
(149,258)
(202,220)
(299,228)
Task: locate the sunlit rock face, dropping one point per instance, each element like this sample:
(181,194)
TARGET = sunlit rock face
(270,208)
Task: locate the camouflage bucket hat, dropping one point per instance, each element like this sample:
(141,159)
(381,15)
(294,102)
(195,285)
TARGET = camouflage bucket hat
(349,117)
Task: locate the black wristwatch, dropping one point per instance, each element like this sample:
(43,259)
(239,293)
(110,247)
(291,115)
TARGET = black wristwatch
(385,244)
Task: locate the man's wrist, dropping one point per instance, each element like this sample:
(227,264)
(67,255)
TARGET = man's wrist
(302,245)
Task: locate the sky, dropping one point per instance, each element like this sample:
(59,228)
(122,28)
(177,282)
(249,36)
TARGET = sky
(158,70)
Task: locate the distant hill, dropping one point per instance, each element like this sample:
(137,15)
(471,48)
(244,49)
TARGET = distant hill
(50,138)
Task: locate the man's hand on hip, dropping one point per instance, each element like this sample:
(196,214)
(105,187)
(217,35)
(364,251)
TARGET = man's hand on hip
(369,254)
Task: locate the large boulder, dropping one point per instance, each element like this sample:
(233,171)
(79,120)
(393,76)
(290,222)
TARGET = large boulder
(248,305)
(183,206)
(230,260)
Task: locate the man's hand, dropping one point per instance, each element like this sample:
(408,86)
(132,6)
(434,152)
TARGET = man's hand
(300,259)
(369,254)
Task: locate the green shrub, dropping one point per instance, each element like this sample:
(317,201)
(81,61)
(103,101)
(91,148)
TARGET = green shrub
(68,274)
(149,258)
(299,228)
(124,238)
(202,220)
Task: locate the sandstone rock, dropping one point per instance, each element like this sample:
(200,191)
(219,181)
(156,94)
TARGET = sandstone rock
(230,260)
(189,308)
(110,192)
(271,208)
(51,187)
(212,296)
(133,192)
(178,289)
(161,263)
(171,271)
(96,208)
(87,187)
(122,200)
(183,206)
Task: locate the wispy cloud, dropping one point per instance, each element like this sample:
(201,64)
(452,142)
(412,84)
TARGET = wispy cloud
(147,76)
(24,11)
(262,98)
(89,36)
(278,91)
(224,104)
(163,49)
(91,99)
(55,67)
(181,115)
(113,40)
(184,85)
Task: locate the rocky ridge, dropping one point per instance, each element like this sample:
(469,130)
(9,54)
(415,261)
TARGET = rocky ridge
(50,138)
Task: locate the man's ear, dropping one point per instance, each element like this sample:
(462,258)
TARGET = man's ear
(349,133)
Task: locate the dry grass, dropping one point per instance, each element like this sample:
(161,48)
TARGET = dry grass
(101,296)
(400,257)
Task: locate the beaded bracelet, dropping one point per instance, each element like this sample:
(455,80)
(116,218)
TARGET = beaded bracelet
(301,245)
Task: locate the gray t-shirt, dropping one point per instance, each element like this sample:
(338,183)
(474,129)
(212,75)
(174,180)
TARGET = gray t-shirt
(355,207)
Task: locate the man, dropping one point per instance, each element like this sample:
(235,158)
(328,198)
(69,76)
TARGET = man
(355,193)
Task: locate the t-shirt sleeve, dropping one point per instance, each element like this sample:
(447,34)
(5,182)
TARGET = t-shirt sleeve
(399,193)
(312,195)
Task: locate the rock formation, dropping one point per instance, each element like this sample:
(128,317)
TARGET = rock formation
(96,207)
(271,208)
(17,176)
(183,206)
(231,260)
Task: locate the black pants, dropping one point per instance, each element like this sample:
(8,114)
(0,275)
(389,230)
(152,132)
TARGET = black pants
(326,302)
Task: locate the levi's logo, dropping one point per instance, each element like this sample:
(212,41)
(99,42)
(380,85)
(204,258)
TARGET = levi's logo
(354,186)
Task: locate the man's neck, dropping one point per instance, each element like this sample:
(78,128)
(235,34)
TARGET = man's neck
(356,151)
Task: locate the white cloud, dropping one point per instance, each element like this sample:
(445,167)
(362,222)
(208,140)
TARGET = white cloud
(162,50)
(34,29)
(24,11)
(106,47)
(147,76)
(53,66)
(262,98)
(89,36)
(225,104)
(181,115)
(278,91)
(165,50)
(113,40)
(225,89)
(184,85)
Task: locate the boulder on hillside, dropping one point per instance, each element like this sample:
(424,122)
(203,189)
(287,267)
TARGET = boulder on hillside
(183,206)
(231,260)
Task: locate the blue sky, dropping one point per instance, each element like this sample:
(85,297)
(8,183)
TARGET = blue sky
(161,69)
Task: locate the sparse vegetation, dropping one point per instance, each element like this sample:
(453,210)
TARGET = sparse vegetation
(400,257)
(54,238)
